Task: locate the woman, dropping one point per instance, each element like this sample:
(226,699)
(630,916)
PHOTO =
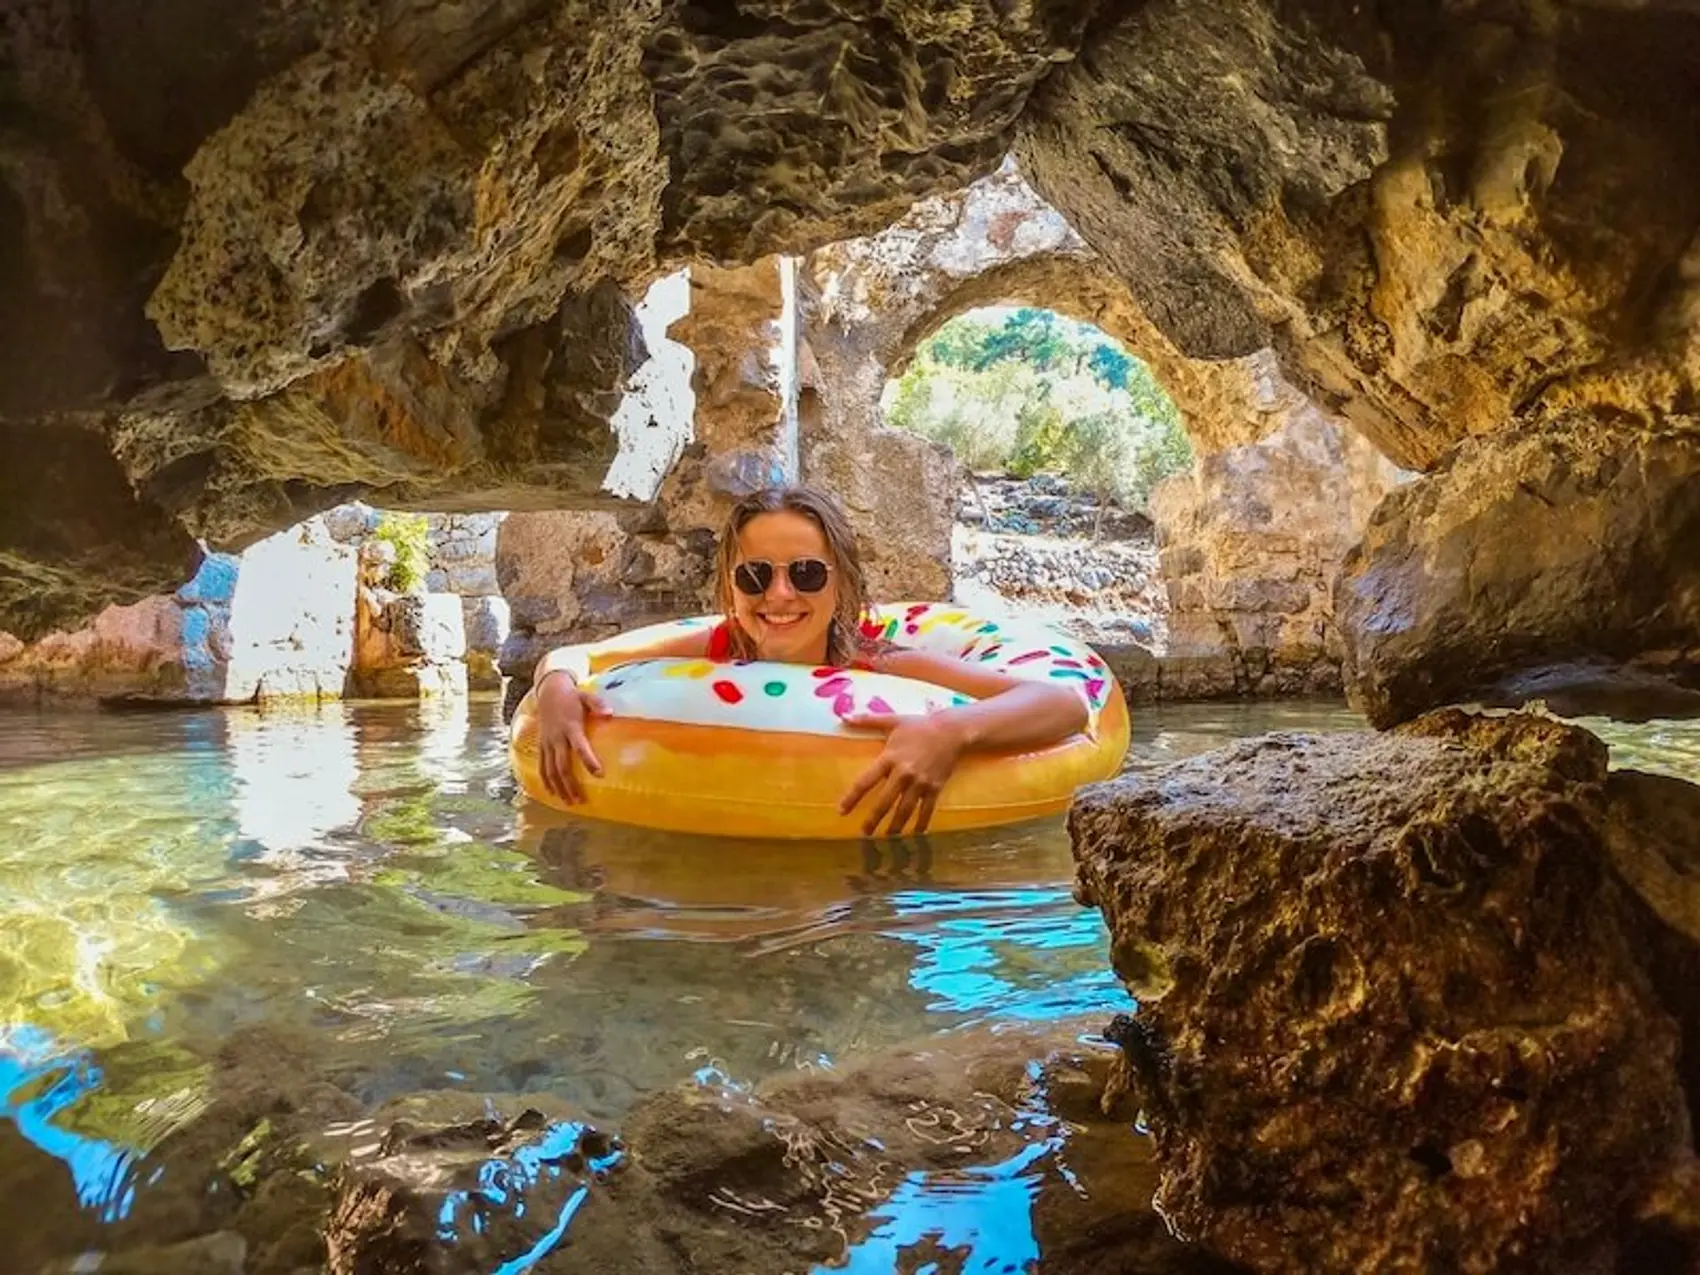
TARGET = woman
(788,579)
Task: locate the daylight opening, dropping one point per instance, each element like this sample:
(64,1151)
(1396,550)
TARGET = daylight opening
(1064,435)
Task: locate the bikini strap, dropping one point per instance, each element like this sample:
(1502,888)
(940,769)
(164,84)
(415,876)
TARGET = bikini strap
(720,642)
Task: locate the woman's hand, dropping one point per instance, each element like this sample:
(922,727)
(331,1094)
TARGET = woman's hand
(920,754)
(562,710)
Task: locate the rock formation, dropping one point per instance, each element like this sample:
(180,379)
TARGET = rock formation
(276,621)
(1396,1011)
(1559,562)
(574,576)
(810,1169)
(266,257)
(1252,541)
(1443,218)
(309,613)
(869,302)
(263,258)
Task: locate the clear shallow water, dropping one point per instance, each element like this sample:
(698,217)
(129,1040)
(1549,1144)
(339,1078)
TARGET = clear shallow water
(362,881)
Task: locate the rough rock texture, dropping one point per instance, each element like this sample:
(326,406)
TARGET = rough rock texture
(407,645)
(1251,543)
(276,622)
(282,619)
(1443,216)
(1394,1009)
(263,257)
(869,302)
(742,335)
(1560,563)
(983,1151)
(578,576)
(572,576)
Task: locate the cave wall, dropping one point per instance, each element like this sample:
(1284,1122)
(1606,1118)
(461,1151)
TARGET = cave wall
(574,576)
(1443,218)
(258,258)
(307,613)
(276,621)
(261,258)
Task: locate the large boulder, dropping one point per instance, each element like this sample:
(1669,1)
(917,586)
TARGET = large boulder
(1560,563)
(1395,1003)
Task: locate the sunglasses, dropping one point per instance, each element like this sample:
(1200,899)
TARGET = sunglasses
(808,575)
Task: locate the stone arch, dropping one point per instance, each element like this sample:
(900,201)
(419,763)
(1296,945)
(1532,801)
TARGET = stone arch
(1251,539)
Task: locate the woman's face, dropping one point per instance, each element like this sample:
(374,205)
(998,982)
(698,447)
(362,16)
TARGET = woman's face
(786,623)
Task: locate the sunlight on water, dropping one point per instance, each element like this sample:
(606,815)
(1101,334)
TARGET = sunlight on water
(362,884)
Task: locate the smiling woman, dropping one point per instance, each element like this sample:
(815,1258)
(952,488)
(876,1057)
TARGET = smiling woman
(790,585)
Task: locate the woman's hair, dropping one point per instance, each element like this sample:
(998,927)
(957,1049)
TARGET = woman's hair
(844,639)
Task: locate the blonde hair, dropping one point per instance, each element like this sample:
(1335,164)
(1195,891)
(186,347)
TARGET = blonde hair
(844,639)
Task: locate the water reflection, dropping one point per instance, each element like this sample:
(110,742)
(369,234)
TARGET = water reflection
(293,775)
(362,880)
(38,1084)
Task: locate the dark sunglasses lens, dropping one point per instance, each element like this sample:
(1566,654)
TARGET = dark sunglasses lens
(753,577)
(808,575)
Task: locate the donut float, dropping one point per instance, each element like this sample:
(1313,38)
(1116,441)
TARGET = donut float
(759,749)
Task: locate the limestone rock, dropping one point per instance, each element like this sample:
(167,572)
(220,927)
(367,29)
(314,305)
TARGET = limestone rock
(497,1185)
(408,645)
(221,1253)
(1394,1015)
(73,535)
(265,257)
(273,623)
(788,126)
(1544,562)
(487,622)
(1443,217)
(744,426)
(1252,539)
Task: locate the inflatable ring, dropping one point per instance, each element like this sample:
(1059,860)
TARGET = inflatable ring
(757,749)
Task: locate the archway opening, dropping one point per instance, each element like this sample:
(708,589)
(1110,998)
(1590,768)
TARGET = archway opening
(1063,434)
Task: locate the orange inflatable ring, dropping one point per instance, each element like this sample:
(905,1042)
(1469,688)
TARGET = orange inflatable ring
(756,749)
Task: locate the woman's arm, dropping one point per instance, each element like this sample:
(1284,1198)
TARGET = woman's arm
(563,708)
(1011,712)
(921,752)
(584,659)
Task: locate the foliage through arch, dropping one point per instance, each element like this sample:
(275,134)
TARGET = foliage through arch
(1027,391)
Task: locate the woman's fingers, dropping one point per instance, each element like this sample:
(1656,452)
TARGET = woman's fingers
(905,807)
(556,759)
(896,788)
(925,818)
(863,785)
(581,745)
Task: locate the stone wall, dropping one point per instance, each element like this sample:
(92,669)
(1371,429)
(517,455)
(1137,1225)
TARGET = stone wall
(870,302)
(445,637)
(1251,542)
(275,622)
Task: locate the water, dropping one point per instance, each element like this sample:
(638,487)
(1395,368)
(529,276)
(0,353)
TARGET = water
(362,886)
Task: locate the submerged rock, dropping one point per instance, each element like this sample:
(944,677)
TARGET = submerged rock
(221,1253)
(981,1151)
(1395,1011)
(1553,562)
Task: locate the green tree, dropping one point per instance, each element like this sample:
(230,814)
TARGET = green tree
(1035,393)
